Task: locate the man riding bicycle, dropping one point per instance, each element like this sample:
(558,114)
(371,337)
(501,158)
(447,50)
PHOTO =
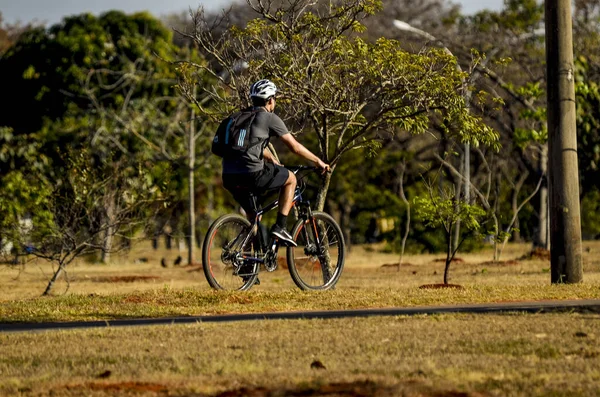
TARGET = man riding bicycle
(257,169)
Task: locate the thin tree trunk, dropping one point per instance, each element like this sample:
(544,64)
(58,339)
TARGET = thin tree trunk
(322,193)
(448,255)
(53,280)
(497,229)
(191,193)
(346,209)
(516,212)
(542,239)
(515,205)
(496,222)
(407,203)
(61,267)
(210,208)
(107,243)
(458,187)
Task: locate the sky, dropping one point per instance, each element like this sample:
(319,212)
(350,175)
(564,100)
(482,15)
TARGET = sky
(52,11)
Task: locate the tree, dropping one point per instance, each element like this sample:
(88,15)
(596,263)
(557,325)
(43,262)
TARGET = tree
(25,188)
(87,81)
(333,83)
(9,33)
(170,134)
(445,210)
(45,70)
(77,224)
(513,40)
(492,203)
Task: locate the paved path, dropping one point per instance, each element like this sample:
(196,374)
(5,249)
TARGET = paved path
(590,306)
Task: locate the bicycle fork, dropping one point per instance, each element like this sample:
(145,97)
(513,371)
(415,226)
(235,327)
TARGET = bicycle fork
(319,250)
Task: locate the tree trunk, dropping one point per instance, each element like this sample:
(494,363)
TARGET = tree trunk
(346,209)
(459,187)
(53,280)
(515,205)
(407,203)
(210,209)
(109,232)
(191,193)
(496,242)
(322,193)
(448,255)
(542,239)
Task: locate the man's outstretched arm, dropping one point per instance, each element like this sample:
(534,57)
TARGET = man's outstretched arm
(299,149)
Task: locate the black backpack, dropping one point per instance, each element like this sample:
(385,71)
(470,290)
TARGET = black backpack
(234,133)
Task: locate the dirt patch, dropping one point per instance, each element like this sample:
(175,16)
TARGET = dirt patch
(395,266)
(282,263)
(455,260)
(409,388)
(196,267)
(352,389)
(121,387)
(123,279)
(441,286)
(511,262)
(135,299)
(537,253)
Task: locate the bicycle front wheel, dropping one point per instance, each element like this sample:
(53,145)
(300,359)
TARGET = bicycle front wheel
(318,260)
(222,254)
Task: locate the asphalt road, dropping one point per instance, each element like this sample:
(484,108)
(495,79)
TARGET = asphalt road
(589,306)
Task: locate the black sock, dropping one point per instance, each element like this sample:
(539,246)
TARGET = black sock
(281,220)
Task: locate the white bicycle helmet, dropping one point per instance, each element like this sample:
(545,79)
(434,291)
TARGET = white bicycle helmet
(263,89)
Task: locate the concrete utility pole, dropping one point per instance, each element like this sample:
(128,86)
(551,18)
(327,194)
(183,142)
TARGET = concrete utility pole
(565,216)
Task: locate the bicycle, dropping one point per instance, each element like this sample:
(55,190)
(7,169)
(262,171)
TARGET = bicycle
(234,250)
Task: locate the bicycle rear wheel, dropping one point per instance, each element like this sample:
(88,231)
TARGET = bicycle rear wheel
(222,254)
(316,263)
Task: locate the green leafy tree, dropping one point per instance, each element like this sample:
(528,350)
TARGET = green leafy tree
(101,84)
(169,134)
(24,189)
(46,70)
(588,123)
(588,136)
(334,84)
(443,209)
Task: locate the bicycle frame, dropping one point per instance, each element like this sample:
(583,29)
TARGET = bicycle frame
(271,249)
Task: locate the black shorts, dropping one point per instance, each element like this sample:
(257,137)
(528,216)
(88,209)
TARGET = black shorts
(272,177)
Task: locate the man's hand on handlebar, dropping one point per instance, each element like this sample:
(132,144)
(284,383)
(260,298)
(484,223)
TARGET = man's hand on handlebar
(323,166)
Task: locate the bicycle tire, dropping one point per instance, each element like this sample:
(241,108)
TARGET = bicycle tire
(218,270)
(307,266)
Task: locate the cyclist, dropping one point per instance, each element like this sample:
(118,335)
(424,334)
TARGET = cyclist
(258,170)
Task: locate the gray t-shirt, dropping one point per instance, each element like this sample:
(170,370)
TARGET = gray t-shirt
(265,126)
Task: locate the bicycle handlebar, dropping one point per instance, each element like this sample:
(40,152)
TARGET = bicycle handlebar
(297,168)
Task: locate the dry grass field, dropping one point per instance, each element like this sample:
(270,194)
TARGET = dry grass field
(445,355)
(366,268)
(442,355)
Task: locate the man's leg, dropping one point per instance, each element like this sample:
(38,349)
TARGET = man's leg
(286,195)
